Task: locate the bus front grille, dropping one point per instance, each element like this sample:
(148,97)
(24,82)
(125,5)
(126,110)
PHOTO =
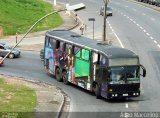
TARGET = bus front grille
(123,88)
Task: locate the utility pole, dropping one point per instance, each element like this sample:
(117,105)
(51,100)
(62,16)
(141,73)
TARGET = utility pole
(105,17)
(55,2)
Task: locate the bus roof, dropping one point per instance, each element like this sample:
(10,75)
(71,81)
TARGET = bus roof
(108,50)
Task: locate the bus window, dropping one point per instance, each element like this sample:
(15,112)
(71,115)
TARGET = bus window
(77,51)
(62,46)
(57,45)
(103,60)
(95,57)
(68,48)
(85,54)
(52,43)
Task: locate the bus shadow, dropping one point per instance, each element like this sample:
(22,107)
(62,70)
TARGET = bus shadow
(125,100)
(122,100)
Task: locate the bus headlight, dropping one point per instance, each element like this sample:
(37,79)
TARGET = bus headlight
(134,93)
(112,95)
(116,95)
(110,90)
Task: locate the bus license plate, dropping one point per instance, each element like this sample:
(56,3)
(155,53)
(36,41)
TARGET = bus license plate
(125,94)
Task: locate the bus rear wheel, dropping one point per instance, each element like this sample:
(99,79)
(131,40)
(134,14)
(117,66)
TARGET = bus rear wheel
(58,75)
(65,78)
(98,91)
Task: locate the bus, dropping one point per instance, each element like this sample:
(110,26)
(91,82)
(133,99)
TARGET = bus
(109,71)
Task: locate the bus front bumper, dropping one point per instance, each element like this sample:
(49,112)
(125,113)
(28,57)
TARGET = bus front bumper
(123,95)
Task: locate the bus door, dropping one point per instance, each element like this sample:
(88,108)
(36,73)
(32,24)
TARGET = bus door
(94,65)
(103,75)
(68,58)
(82,66)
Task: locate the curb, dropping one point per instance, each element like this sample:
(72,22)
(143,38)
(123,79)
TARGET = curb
(61,107)
(43,83)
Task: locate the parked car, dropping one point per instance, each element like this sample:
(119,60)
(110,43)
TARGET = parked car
(108,11)
(146,1)
(42,54)
(5,49)
(157,3)
(152,2)
(1,63)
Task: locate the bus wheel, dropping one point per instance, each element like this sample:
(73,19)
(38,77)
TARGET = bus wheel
(98,91)
(65,78)
(58,75)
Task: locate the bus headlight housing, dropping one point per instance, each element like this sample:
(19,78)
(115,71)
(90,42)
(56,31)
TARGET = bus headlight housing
(110,90)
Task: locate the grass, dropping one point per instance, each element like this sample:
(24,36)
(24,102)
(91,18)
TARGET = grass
(16,98)
(20,15)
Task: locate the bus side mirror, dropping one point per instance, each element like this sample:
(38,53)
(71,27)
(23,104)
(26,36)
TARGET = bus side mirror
(144,71)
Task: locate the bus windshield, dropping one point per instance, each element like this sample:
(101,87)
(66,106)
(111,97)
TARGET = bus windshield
(124,74)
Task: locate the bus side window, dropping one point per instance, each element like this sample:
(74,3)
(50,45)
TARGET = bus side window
(68,49)
(77,51)
(62,46)
(85,54)
(95,57)
(103,60)
(57,45)
(52,43)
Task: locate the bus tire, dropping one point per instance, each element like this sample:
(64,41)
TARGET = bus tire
(58,75)
(65,78)
(98,91)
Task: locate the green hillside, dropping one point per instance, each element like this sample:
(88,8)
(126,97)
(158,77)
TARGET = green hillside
(19,15)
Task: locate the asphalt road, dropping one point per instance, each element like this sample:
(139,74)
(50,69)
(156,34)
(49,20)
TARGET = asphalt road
(138,29)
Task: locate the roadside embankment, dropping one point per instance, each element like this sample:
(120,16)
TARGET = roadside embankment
(47,100)
(146,5)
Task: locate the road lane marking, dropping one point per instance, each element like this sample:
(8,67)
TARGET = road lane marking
(148,34)
(119,40)
(134,22)
(131,19)
(155,41)
(144,30)
(139,27)
(116,35)
(151,38)
(126,105)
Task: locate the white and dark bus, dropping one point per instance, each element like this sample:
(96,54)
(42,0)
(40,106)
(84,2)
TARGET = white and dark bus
(109,71)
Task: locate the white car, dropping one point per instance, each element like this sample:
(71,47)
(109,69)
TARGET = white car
(108,11)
